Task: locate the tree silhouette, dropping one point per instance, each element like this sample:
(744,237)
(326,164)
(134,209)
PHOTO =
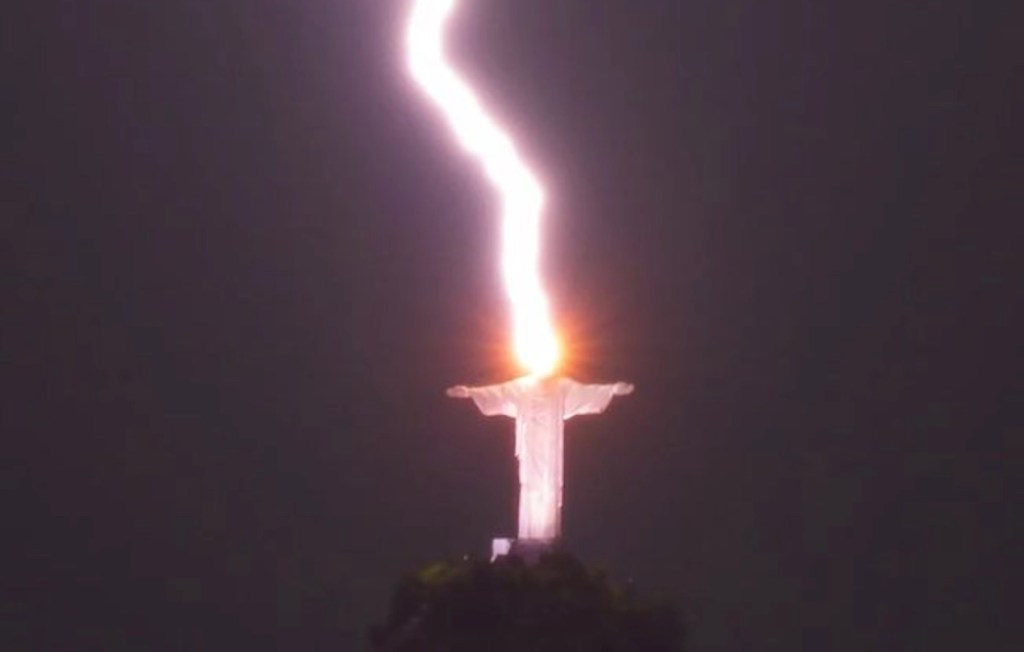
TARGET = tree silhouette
(554,605)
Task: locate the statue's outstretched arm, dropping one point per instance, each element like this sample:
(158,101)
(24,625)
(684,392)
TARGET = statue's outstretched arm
(491,400)
(592,399)
(458,391)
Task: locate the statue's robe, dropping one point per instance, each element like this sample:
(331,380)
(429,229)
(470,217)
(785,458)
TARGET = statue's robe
(540,406)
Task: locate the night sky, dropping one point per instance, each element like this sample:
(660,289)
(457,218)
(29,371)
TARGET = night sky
(243,259)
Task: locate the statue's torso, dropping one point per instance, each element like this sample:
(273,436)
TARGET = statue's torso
(539,433)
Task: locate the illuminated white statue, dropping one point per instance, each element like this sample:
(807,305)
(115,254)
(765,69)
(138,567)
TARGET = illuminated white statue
(540,405)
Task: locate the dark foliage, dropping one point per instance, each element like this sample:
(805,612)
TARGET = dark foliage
(557,604)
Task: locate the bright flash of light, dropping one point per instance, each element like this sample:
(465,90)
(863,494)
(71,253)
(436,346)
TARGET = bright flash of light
(522,198)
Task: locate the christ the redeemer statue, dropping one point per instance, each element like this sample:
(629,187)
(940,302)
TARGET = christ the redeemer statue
(540,405)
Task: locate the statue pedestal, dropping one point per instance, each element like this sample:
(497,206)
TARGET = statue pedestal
(529,550)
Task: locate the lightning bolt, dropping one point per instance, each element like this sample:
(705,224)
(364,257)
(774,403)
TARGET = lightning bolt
(535,341)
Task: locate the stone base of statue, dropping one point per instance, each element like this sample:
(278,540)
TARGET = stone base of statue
(529,550)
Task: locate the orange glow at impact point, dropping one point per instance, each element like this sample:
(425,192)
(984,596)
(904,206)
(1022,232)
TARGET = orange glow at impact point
(522,197)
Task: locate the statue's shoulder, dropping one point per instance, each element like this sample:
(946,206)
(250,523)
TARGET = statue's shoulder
(568,382)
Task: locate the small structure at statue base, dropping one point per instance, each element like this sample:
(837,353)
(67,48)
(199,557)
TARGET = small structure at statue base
(529,550)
